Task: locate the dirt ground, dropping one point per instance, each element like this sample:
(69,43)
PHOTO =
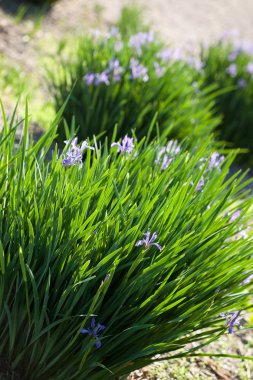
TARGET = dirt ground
(185,21)
(181,22)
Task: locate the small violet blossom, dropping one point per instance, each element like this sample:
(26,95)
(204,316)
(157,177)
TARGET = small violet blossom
(89,78)
(138,40)
(94,331)
(177,54)
(233,55)
(195,62)
(138,70)
(232,320)
(200,184)
(159,71)
(228,34)
(167,153)
(232,70)
(247,280)
(75,153)
(242,233)
(95,33)
(114,32)
(215,161)
(148,241)
(102,78)
(126,146)
(118,46)
(115,69)
(249,68)
(97,78)
(235,216)
(165,55)
(242,83)
(247,47)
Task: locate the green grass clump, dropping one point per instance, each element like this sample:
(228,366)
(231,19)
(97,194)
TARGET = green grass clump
(121,80)
(68,254)
(131,20)
(230,66)
(12,80)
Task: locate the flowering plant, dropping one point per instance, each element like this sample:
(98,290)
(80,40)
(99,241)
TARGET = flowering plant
(117,79)
(229,64)
(83,294)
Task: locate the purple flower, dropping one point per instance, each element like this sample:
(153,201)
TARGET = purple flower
(94,331)
(249,68)
(159,71)
(166,162)
(167,153)
(242,233)
(247,280)
(75,153)
(234,54)
(242,83)
(232,70)
(114,32)
(227,34)
(138,40)
(247,47)
(177,54)
(148,241)
(118,45)
(173,147)
(195,62)
(235,216)
(138,70)
(126,146)
(115,69)
(232,320)
(90,78)
(96,33)
(200,184)
(102,78)
(165,55)
(168,54)
(215,161)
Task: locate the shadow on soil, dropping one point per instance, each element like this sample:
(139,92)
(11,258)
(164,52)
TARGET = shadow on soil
(22,9)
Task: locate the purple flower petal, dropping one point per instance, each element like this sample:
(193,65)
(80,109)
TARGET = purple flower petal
(157,245)
(154,236)
(93,323)
(148,242)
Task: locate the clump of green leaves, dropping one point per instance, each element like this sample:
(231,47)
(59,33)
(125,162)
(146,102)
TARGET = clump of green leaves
(117,79)
(69,253)
(131,20)
(230,66)
(12,79)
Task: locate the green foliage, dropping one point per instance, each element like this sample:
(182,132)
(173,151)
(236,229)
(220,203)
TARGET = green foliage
(68,253)
(131,20)
(167,89)
(12,80)
(235,104)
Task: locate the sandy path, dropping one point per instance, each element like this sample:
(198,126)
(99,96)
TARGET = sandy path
(181,21)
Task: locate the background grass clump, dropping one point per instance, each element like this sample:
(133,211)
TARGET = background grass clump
(230,66)
(125,80)
(68,254)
